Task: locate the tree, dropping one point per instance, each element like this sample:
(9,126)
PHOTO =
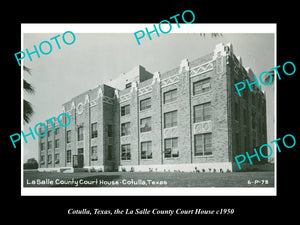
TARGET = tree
(27,106)
(31,164)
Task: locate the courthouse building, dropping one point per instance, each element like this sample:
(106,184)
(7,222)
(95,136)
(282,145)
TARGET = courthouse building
(188,118)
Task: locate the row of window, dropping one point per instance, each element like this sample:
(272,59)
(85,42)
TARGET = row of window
(94,156)
(56,144)
(49,132)
(94,132)
(202,147)
(202,112)
(199,87)
(56,159)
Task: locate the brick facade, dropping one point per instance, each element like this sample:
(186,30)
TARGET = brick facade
(189,118)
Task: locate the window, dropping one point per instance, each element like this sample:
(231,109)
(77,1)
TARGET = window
(56,143)
(49,133)
(56,158)
(202,112)
(128,85)
(109,152)
(171,148)
(125,129)
(125,152)
(145,124)
(56,132)
(49,144)
(109,130)
(94,130)
(146,150)
(42,146)
(69,156)
(170,119)
(125,110)
(80,133)
(69,136)
(203,144)
(170,96)
(94,156)
(201,86)
(145,104)
(49,159)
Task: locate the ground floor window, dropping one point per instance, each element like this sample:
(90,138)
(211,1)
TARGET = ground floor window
(171,148)
(56,158)
(203,144)
(94,156)
(146,150)
(125,152)
(69,156)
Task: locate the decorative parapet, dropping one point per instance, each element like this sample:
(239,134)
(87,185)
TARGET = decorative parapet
(170,80)
(203,68)
(145,90)
(124,98)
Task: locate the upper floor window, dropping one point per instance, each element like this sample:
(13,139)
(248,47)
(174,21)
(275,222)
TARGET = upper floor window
(145,124)
(80,133)
(145,104)
(68,136)
(202,112)
(125,129)
(125,110)
(56,143)
(49,144)
(128,85)
(94,130)
(201,86)
(170,96)
(170,119)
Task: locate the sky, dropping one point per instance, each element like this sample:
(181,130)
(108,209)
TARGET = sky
(95,58)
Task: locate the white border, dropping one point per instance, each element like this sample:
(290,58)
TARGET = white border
(131,28)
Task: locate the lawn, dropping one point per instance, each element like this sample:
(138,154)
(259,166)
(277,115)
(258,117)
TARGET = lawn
(148,179)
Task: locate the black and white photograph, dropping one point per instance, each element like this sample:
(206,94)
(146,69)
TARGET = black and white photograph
(177,110)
